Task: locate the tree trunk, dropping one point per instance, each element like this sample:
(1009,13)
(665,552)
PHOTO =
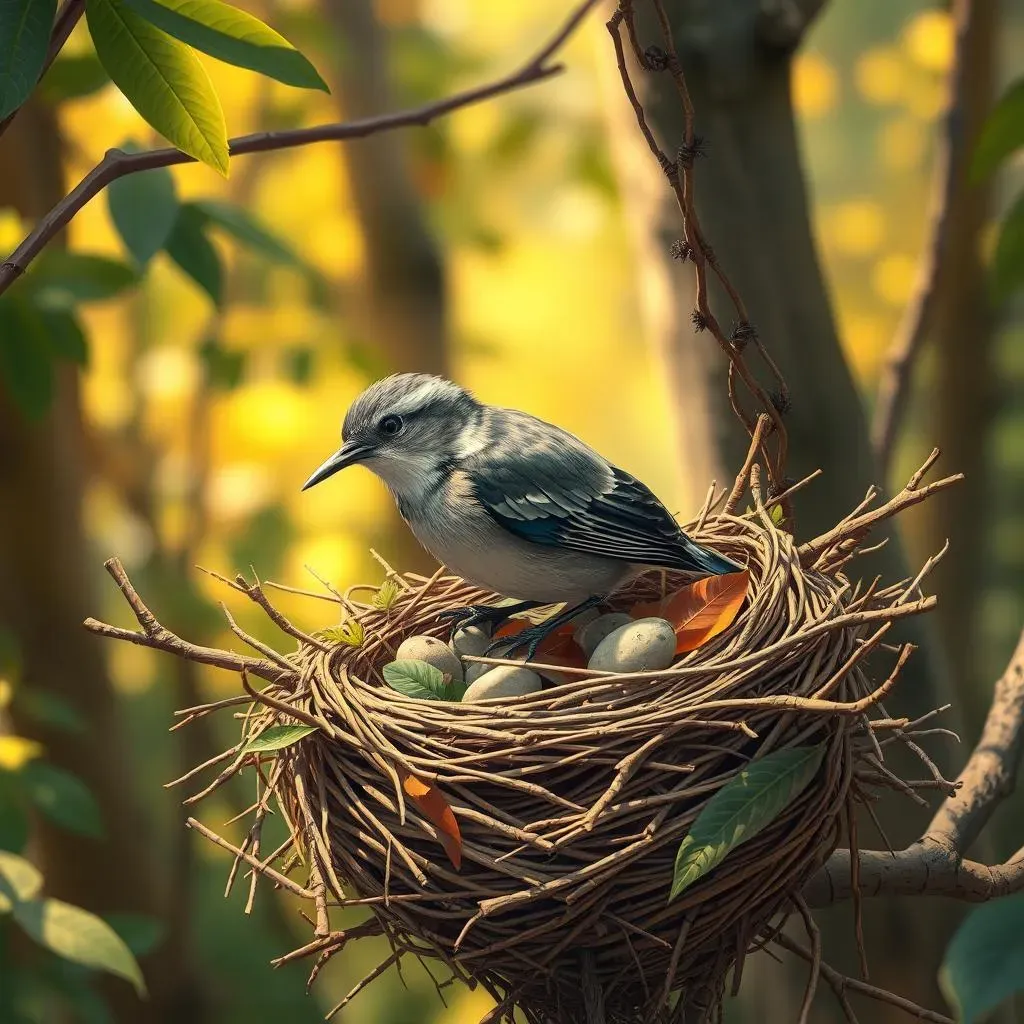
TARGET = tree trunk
(404,315)
(754,209)
(45,593)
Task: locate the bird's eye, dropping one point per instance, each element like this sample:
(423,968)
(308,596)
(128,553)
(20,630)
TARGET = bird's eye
(390,425)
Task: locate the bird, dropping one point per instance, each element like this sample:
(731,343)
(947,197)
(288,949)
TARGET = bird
(510,502)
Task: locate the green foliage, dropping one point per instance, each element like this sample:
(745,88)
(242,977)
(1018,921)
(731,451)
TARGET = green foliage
(247,229)
(984,964)
(144,208)
(299,364)
(162,78)
(749,802)
(72,76)
(63,335)
(277,737)
(1008,261)
(49,709)
(19,880)
(60,279)
(352,634)
(141,933)
(418,679)
(24,39)
(194,253)
(79,936)
(24,361)
(264,541)
(386,594)
(14,820)
(1002,134)
(233,36)
(62,797)
(225,368)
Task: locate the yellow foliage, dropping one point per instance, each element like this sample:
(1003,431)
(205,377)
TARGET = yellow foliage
(12,230)
(6,692)
(901,143)
(469,1007)
(815,85)
(881,75)
(16,752)
(856,227)
(336,556)
(132,669)
(928,37)
(893,278)
(865,340)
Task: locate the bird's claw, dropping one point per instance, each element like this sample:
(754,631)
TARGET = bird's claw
(530,638)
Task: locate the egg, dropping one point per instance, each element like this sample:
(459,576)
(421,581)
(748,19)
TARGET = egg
(503,681)
(646,644)
(434,652)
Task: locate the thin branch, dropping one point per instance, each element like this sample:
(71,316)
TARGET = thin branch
(934,865)
(117,164)
(162,639)
(897,372)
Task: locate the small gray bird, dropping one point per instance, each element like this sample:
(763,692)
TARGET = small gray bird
(510,502)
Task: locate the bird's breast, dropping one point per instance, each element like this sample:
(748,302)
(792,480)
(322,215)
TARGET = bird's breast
(459,532)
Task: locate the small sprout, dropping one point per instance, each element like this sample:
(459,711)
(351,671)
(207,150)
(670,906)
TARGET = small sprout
(350,633)
(386,594)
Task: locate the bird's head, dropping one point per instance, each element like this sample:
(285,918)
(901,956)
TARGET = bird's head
(407,429)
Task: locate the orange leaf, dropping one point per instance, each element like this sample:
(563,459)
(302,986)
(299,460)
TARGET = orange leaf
(436,810)
(701,610)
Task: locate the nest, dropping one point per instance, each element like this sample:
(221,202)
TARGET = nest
(572,801)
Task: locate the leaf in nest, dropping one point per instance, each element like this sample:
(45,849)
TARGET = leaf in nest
(749,802)
(425,682)
(350,633)
(701,610)
(435,808)
(277,737)
(386,594)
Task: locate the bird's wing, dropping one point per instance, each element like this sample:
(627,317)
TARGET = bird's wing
(545,485)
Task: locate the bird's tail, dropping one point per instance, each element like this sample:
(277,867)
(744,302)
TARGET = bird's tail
(707,561)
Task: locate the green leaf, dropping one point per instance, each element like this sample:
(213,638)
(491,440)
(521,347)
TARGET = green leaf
(19,880)
(1008,261)
(49,709)
(277,737)
(64,335)
(245,228)
(232,36)
(141,933)
(1002,133)
(189,247)
(143,208)
(63,798)
(24,357)
(24,39)
(72,76)
(750,801)
(225,367)
(984,963)
(61,279)
(299,364)
(352,634)
(418,679)
(79,936)
(162,79)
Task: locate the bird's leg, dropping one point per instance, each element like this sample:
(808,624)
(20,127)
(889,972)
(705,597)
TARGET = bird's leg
(478,614)
(533,636)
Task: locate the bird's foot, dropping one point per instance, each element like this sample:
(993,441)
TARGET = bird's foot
(483,614)
(533,636)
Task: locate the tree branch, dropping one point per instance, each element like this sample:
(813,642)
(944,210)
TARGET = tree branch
(160,638)
(117,164)
(935,864)
(896,373)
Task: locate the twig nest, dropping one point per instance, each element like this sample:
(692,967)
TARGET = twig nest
(589,634)
(434,652)
(502,681)
(636,646)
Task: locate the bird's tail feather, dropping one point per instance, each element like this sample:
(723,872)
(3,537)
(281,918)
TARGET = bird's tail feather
(707,561)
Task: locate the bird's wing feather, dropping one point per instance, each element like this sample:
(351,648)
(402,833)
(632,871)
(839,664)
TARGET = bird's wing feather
(544,485)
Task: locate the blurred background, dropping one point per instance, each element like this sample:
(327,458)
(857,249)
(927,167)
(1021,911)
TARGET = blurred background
(519,246)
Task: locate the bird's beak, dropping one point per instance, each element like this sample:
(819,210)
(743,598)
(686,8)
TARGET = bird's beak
(347,455)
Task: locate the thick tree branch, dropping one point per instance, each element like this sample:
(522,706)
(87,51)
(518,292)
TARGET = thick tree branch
(935,865)
(896,374)
(117,164)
